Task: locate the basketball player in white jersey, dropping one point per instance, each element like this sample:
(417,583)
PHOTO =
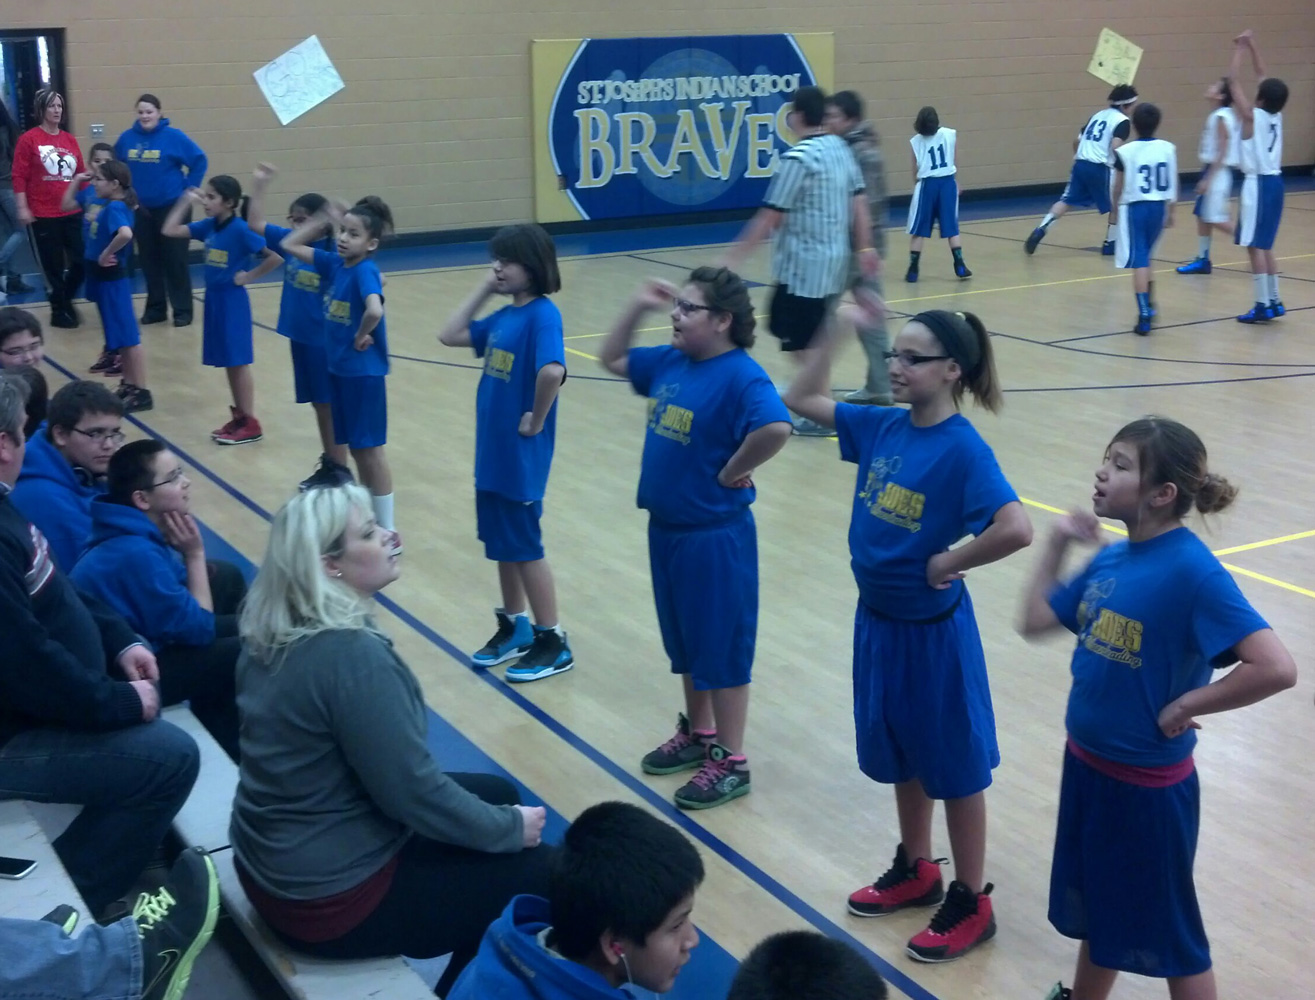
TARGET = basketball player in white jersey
(1145,188)
(1093,155)
(1220,152)
(935,191)
(1261,206)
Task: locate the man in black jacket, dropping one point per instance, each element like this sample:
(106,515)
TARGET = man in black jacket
(78,703)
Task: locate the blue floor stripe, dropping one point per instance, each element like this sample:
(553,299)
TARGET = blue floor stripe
(897,978)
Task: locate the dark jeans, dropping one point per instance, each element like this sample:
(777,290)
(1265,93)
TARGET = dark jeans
(59,246)
(164,265)
(130,783)
(204,675)
(443,898)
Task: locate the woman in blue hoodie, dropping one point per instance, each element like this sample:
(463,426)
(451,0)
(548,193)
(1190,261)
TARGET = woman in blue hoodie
(147,561)
(164,162)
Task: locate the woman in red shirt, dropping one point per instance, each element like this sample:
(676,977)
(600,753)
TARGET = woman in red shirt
(46,160)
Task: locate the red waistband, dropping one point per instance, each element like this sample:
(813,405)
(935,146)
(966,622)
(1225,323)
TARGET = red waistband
(1161,776)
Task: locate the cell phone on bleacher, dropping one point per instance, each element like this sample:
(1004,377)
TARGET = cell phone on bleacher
(15,868)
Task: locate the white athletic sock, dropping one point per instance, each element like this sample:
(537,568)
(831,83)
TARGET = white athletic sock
(513,614)
(383,510)
(1260,282)
(1203,247)
(1111,233)
(1273,288)
(1047,220)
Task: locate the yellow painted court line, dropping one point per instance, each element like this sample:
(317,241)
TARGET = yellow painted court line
(1265,544)
(581,354)
(1238,570)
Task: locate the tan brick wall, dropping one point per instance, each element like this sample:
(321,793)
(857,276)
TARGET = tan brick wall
(435,114)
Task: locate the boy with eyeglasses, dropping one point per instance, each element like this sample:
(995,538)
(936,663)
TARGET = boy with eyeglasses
(21,343)
(146,559)
(65,466)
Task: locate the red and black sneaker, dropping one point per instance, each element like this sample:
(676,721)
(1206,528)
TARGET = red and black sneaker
(962,923)
(903,886)
(107,364)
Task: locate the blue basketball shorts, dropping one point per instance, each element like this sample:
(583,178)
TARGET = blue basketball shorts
(1088,186)
(1260,208)
(935,200)
(359,404)
(117,314)
(310,372)
(1140,225)
(226,327)
(509,529)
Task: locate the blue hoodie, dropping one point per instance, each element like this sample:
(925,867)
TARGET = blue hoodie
(513,964)
(129,566)
(157,158)
(56,497)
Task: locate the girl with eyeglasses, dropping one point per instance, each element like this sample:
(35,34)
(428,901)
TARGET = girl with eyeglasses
(922,704)
(713,419)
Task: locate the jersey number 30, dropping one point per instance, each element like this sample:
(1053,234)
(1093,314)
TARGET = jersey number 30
(1159,175)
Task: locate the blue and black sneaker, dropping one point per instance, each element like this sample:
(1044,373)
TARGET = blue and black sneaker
(1143,327)
(1258,313)
(1201,265)
(1038,234)
(548,654)
(1107,248)
(514,636)
(1276,309)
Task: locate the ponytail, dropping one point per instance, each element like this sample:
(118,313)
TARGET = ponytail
(119,173)
(1169,452)
(966,340)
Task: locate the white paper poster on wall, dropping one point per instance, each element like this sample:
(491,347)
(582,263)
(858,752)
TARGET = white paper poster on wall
(298,80)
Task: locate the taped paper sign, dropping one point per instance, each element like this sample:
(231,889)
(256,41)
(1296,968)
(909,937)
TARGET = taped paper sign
(1116,59)
(298,80)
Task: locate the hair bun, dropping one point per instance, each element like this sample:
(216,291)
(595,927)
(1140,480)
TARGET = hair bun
(1216,494)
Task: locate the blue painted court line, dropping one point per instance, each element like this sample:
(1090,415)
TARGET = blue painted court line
(893,975)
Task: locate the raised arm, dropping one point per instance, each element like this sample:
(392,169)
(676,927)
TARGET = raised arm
(456,331)
(173,223)
(260,178)
(69,202)
(652,295)
(298,242)
(809,394)
(1241,103)
(1036,617)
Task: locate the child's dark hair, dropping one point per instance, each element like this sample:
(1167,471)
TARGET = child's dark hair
(310,203)
(131,469)
(1122,95)
(1272,95)
(848,103)
(1169,452)
(119,173)
(229,190)
(150,99)
(810,103)
(619,869)
(100,147)
(38,397)
(1146,119)
(927,122)
(965,339)
(75,400)
(375,213)
(805,965)
(725,291)
(15,320)
(1225,93)
(530,246)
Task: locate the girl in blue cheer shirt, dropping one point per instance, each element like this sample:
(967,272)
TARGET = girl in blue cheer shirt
(922,704)
(515,431)
(226,340)
(356,337)
(82,194)
(302,321)
(1154,615)
(713,418)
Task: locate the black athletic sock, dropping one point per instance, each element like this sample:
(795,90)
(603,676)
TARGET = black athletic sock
(914,255)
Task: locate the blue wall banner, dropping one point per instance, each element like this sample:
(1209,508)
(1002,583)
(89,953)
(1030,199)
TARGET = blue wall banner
(653,126)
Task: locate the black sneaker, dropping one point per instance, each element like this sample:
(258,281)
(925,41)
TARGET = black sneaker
(1038,234)
(64,917)
(683,752)
(183,320)
(723,778)
(107,363)
(548,654)
(175,923)
(149,319)
(135,398)
(1059,992)
(64,319)
(327,475)
(15,285)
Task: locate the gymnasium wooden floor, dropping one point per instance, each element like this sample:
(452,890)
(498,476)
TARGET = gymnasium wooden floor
(814,828)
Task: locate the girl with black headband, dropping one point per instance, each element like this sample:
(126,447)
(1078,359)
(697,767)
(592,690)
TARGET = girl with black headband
(922,704)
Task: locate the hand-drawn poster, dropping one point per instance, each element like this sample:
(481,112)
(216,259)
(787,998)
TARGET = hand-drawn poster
(298,80)
(1116,59)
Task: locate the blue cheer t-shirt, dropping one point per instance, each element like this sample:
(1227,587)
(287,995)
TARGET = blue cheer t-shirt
(228,248)
(515,343)
(699,413)
(301,307)
(348,288)
(105,225)
(918,491)
(1152,619)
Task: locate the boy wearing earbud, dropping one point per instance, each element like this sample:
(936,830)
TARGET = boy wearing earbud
(618,915)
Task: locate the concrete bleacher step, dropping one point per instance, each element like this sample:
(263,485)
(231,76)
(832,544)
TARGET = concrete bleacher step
(31,898)
(203,822)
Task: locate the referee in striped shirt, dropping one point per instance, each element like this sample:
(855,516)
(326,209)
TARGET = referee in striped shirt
(817,209)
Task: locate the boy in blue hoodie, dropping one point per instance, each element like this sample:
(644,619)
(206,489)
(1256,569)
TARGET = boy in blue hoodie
(146,560)
(64,469)
(620,898)
(164,162)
